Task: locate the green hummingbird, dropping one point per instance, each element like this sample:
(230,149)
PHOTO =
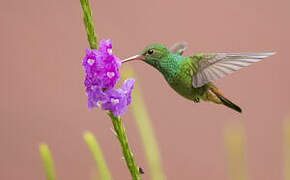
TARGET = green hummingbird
(192,77)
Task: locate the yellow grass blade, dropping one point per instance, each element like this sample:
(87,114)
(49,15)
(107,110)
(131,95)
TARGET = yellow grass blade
(98,156)
(235,152)
(47,161)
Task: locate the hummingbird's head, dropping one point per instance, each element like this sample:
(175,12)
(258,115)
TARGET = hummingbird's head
(152,55)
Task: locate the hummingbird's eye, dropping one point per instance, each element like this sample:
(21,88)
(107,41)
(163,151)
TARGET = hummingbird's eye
(150,51)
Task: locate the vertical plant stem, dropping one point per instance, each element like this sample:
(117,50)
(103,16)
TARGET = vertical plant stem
(119,129)
(89,25)
(98,156)
(145,129)
(47,161)
(121,135)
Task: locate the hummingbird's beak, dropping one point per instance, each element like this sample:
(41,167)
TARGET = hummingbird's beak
(137,57)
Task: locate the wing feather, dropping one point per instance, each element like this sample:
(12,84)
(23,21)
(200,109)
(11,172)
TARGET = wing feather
(178,48)
(219,65)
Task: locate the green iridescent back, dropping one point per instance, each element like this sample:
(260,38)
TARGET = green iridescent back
(176,69)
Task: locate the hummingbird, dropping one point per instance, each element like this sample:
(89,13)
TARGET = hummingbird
(192,77)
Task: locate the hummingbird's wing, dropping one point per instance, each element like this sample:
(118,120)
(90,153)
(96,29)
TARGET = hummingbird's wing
(178,48)
(215,66)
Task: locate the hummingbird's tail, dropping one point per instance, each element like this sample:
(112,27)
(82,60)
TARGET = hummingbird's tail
(216,96)
(229,104)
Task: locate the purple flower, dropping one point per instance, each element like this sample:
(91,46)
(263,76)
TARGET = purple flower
(102,73)
(127,89)
(118,99)
(95,96)
(116,102)
(100,65)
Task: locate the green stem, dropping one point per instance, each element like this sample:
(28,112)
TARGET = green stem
(121,135)
(89,25)
(119,129)
(47,161)
(98,156)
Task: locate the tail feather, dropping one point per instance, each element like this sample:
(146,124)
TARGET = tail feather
(229,104)
(220,99)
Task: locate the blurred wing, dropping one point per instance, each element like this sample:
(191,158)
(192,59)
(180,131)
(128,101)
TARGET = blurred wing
(216,66)
(178,48)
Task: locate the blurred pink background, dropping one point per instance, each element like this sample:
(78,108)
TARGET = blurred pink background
(43,99)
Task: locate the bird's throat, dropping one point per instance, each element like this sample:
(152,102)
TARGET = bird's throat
(167,67)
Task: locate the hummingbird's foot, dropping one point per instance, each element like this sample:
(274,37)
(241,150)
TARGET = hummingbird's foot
(196,100)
